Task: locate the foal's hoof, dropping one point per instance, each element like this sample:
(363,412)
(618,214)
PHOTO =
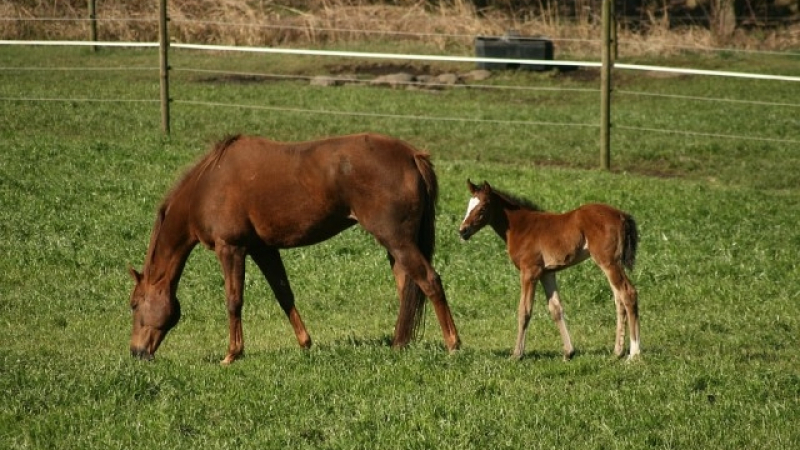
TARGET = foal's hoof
(515,356)
(229,359)
(634,357)
(569,354)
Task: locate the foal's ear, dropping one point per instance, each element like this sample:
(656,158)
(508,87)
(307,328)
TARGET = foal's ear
(472,188)
(486,186)
(137,277)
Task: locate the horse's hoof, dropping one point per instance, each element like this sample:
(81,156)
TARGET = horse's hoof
(568,355)
(306,344)
(454,346)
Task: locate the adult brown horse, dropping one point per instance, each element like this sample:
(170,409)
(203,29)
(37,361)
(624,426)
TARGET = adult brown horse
(542,243)
(252,196)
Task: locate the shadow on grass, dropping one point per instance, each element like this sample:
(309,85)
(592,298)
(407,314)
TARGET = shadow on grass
(385,342)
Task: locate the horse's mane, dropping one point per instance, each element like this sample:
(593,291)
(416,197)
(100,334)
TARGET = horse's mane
(517,201)
(200,167)
(190,176)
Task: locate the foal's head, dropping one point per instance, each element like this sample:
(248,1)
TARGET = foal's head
(479,210)
(155,311)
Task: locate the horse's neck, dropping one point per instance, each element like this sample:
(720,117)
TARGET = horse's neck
(170,247)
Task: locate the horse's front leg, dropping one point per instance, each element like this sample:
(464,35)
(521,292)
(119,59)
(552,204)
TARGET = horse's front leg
(528,281)
(557,312)
(269,262)
(232,259)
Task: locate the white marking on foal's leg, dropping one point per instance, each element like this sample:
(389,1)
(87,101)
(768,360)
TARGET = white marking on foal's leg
(473,202)
(634,349)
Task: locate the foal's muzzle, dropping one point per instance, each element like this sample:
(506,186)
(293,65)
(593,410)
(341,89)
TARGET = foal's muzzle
(465,233)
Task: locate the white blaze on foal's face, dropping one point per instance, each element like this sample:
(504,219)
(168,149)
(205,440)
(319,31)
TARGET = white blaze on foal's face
(473,203)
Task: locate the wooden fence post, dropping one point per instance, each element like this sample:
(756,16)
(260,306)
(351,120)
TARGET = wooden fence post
(605,88)
(164,66)
(93,23)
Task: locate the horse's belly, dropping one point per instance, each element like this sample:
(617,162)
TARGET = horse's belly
(301,232)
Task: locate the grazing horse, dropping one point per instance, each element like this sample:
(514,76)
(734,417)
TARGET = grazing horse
(542,243)
(252,196)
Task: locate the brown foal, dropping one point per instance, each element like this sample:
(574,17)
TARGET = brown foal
(541,243)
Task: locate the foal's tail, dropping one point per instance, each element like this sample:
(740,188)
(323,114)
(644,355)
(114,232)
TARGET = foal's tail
(413,303)
(630,241)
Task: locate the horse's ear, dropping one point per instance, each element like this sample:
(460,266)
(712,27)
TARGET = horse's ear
(471,186)
(486,186)
(137,277)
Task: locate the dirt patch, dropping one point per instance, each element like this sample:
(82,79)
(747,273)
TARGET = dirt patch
(381,68)
(634,168)
(239,79)
(582,74)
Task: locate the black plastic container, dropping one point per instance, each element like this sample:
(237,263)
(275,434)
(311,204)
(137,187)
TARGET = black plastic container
(513,47)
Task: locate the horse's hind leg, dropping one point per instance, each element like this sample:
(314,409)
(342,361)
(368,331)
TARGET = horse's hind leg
(269,262)
(410,261)
(399,276)
(232,259)
(557,312)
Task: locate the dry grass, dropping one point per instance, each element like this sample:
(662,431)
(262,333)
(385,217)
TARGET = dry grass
(446,24)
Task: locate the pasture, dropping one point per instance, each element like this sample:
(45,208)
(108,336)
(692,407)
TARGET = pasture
(717,270)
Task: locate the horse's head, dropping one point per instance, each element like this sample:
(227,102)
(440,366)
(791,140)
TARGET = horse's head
(479,210)
(155,311)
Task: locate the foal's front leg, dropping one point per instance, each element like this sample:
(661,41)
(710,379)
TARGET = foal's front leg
(528,281)
(232,259)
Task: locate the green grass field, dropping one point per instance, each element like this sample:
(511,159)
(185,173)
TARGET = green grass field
(717,270)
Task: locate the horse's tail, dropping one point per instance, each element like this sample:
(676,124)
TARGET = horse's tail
(412,306)
(630,241)
(426,239)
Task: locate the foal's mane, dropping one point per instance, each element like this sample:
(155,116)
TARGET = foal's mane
(516,201)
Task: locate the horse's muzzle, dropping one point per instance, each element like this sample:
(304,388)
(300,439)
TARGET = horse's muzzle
(465,233)
(142,354)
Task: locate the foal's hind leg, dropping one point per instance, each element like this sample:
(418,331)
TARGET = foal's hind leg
(232,259)
(557,312)
(626,301)
(269,261)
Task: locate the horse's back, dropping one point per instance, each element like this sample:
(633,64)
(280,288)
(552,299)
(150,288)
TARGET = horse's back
(300,193)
